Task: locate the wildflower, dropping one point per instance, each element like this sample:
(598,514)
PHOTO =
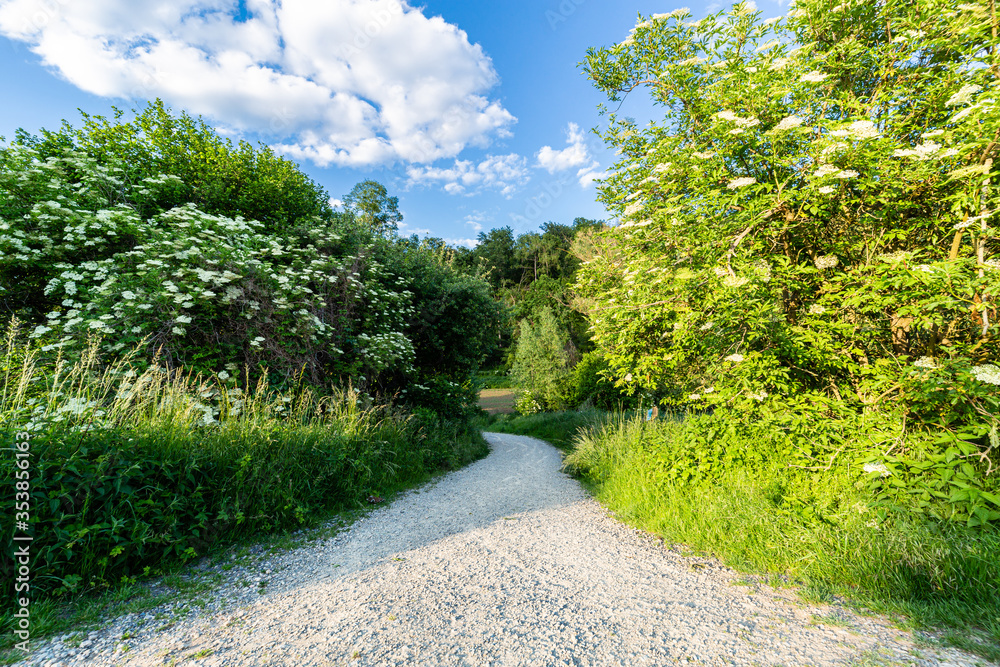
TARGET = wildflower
(39,330)
(787,123)
(128,296)
(813,77)
(759,397)
(735,358)
(178,331)
(778,64)
(925,268)
(925,362)
(183,319)
(740,182)
(963,96)
(223,375)
(826,262)
(825,170)
(826,190)
(846,173)
(877,467)
(704,156)
(864,129)
(694,397)
(816,309)
(734,281)
(987,373)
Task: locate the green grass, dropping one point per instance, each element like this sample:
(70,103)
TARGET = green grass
(134,474)
(818,529)
(557,428)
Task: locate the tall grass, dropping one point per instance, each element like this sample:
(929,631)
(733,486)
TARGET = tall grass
(132,468)
(820,528)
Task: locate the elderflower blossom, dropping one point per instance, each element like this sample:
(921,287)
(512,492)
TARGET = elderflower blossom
(863,129)
(787,123)
(877,467)
(963,96)
(183,319)
(778,64)
(846,173)
(813,77)
(825,170)
(816,309)
(741,182)
(223,375)
(826,190)
(925,362)
(704,156)
(827,262)
(734,281)
(987,373)
(735,358)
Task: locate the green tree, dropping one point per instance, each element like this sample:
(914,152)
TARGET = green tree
(544,360)
(371,204)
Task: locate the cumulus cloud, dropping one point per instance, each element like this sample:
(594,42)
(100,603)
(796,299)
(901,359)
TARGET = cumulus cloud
(574,156)
(336,203)
(344,82)
(503,173)
(468,243)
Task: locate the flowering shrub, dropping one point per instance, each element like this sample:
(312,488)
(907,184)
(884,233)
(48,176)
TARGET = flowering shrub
(812,215)
(87,247)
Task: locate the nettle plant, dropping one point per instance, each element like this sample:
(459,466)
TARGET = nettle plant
(815,212)
(202,291)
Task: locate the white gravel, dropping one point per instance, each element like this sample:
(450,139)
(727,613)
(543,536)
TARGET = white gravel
(506,562)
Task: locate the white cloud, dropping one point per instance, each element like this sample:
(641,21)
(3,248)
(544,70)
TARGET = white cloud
(475,220)
(346,82)
(468,243)
(504,173)
(574,155)
(336,203)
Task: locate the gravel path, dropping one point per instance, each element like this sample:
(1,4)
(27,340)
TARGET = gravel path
(506,562)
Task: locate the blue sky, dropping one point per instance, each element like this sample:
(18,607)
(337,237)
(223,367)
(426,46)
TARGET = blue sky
(475,114)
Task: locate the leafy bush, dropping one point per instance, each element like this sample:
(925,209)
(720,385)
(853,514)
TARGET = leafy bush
(810,224)
(96,240)
(132,470)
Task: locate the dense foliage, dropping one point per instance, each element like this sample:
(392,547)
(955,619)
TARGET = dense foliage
(808,231)
(226,260)
(127,479)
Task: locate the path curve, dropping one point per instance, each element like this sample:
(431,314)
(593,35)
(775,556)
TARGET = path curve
(505,562)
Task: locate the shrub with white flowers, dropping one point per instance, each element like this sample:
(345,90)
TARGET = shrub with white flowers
(859,167)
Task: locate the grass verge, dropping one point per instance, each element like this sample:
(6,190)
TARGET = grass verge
(821,530)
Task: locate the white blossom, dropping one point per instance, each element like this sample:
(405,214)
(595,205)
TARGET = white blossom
(987,373)
(741,182)
(877,467)
(787,123)
(813,77)
(735,358)
(925,362)
(963,96)
(816,309)
(826,190)
(827,262)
